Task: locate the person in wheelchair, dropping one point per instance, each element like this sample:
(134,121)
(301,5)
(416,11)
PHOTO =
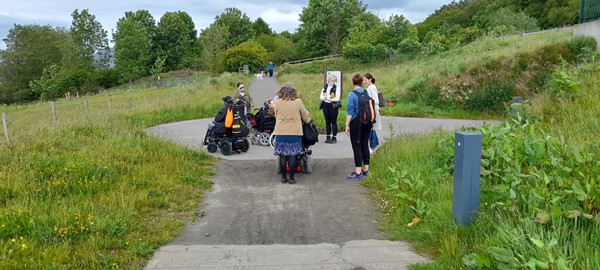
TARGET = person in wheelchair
(218,136)
(263,122)
(217,127)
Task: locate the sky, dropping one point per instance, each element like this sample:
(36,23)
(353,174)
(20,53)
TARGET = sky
(281,15)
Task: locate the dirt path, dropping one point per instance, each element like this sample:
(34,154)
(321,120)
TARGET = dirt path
(252,221)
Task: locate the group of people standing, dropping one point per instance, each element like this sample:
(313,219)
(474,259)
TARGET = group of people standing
(290,113)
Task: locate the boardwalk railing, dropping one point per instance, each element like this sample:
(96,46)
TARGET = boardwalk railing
(312,59)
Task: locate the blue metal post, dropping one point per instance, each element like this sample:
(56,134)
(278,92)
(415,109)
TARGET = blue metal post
(467,162)
(516,100)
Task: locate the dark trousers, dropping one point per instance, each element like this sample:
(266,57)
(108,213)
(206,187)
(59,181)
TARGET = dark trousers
(359,138)
(270,73)
(331,116)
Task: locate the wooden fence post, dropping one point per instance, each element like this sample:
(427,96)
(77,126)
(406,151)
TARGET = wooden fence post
(53,110)
(5,125)
(85,104)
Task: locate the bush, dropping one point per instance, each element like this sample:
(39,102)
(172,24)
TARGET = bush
(366,53)
(491,97)
(248,53)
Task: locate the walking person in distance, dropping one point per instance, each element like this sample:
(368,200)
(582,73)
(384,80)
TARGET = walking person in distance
(330,103)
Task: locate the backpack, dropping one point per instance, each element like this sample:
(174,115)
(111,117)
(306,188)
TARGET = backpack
(382,101)
(229,118)
(366,108)
(238,128)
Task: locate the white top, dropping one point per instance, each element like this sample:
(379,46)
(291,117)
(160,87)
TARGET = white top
(333,97)
(372,90)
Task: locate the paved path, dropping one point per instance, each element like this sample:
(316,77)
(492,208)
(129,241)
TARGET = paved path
(251,221)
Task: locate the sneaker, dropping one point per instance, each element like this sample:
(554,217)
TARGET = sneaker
(283,180)
(328,140)
(333,140)
(292,181)
(365,173)
(355,177)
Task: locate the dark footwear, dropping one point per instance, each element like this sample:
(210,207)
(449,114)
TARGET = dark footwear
(328,139)
(355,177)
(365,173)
(333,140)
(283,181)
(292,181)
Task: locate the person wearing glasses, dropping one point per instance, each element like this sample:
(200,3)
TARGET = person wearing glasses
(244,98)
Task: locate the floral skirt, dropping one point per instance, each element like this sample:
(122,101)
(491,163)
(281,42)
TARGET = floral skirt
(288,145)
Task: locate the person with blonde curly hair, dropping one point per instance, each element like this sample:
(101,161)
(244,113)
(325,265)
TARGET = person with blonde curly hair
(290,113)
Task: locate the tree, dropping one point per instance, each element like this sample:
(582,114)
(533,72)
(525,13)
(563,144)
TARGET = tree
(261,27)
(29,50)
(248,53)
(146,21)
(176,40)
(88,35)
(396,30)
(238,24)
(362,47)
(213,41)
(279,49)
(325,24)
(132,49)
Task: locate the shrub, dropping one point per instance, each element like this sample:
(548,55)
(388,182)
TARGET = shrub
(365,52)
(491,97)
(248,53)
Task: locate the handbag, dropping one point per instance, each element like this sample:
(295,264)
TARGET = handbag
(373,140)
(321,105)
(336,104)
(310,134)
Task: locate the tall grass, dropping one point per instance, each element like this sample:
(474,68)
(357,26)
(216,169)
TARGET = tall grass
(92,190)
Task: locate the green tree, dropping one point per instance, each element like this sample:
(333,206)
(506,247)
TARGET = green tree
(213,41)
(519,20)
(324,25)
(89,36)
(29,50)
(279,49)
(176,40)
(397,29)
(358,45)
(238,24)
(132,49)
(248,53)
(261,27)
(146,21)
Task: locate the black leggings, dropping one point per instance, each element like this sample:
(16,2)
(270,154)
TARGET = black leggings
(359,138)
(331,116)
(292,161)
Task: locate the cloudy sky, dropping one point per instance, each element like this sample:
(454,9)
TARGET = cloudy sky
(281,15)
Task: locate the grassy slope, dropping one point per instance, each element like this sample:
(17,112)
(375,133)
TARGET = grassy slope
(396,80)
(428,178)
(91,190)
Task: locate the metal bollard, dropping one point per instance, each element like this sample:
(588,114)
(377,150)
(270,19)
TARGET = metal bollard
(515,107)
(467,176)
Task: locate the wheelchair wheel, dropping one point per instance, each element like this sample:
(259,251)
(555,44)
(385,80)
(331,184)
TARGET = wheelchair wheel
(212,147)
(308,163)
(263,139)
(226,147)
(247,147)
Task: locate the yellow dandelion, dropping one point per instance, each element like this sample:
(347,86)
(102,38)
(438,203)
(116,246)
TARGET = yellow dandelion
(13,240)
(23,247)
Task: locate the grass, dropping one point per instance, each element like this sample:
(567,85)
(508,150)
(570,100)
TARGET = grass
(501,236)
(92,190)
